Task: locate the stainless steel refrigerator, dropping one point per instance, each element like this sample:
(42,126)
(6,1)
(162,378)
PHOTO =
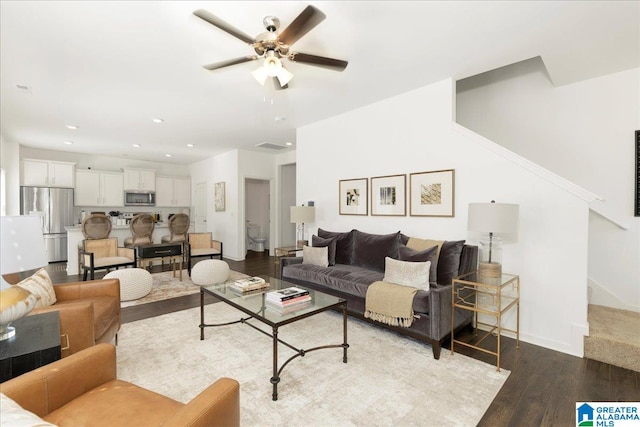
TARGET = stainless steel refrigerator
(55,207)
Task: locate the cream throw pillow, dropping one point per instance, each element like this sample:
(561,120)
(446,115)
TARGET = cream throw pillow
(407,273)
(316,255)
(41,286)
(12,414)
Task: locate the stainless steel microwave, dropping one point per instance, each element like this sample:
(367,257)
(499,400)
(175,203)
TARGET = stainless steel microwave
(139,198)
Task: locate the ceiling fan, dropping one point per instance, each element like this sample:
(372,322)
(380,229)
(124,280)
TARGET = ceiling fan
(274,45)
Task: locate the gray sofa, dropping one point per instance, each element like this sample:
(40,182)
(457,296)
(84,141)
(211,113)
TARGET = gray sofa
(357,259)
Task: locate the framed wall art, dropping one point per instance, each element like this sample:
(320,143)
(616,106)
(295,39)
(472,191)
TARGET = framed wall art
(388,195)
(219,196)
(353,195)
(432,193)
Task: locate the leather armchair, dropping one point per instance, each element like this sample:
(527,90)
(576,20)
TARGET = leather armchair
(89,313)
(83,389)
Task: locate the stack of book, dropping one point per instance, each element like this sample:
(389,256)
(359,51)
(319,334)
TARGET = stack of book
(249,284)
(288,300)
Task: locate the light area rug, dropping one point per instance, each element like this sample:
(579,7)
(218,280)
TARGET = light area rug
(166,286)
(389,380)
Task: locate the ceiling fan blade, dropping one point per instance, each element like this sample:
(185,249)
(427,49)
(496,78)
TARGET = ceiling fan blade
(230,62)
(308,18)
(319,61)
(217,22)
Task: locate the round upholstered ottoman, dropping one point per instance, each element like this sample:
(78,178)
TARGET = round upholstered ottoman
(210,272)
(134,282)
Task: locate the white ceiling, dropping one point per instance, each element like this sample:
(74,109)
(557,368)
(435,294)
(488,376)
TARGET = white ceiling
(111,67)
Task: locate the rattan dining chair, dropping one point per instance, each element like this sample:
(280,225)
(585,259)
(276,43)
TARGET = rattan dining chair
(94,226)
(141,226)
(178,228)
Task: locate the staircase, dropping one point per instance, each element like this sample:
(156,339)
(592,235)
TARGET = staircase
(614,337)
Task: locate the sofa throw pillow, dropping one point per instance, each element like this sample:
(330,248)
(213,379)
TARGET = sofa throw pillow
(315,256)
(15,415)
(329,243)
(422,244)
(431,254)
(370,250)
(407,273)
(344,244)
(449,261)
(41,286)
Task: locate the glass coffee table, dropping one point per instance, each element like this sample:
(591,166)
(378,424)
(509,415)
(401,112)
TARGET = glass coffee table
(254,306)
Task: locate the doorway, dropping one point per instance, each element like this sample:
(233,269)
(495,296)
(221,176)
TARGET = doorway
(257,214)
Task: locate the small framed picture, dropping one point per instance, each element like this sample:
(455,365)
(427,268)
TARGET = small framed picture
(388,195)
(219,196)
(353,195)
(432,193)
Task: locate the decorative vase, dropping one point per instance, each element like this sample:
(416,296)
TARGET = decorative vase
(15,303)
(490,257)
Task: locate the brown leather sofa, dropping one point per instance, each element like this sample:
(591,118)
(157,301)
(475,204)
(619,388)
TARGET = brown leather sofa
(83,390)
(82,305)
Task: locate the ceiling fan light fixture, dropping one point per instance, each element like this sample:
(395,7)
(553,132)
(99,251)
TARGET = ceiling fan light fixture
(284,76)
(272,65)
(260,74)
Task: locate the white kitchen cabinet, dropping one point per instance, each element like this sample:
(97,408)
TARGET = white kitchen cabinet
(45,173)
(139,179)
(95,188)
(173,191)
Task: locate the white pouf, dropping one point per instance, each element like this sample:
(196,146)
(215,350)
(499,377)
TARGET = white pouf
(134,282)
(210,272)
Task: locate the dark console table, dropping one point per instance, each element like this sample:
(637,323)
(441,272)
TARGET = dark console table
(170,251)
(36,343)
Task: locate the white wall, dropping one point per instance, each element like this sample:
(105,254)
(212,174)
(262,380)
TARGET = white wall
(10,160)
(223,225)
(233,168)
(583,132)
(414,132)
(286,199)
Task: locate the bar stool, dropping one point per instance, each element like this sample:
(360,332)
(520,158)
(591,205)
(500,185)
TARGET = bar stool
(141,227)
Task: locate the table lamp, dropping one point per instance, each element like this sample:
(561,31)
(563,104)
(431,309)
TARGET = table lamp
(22,250)
(300,215)
(493,219)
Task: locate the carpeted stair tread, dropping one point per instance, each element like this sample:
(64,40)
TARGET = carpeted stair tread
(614,337)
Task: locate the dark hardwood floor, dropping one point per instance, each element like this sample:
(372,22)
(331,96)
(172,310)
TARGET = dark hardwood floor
(542,389)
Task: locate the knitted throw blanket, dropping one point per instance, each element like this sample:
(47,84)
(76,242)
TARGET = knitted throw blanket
(390,304)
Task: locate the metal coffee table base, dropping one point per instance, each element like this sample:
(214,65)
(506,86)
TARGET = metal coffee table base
(275,379)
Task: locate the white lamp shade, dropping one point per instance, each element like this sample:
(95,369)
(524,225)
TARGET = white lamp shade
(500,218)
(260,74)
(284,76)
(303,214)
(22,244)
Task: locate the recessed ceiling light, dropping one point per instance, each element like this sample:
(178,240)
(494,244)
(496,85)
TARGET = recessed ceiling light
(158,120)
(68,142)
(280,119)
(137,145)
(190,145)
(72,127)
(289,144)
(167,155)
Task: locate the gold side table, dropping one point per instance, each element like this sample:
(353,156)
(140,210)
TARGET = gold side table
(491,296)
(282,252)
